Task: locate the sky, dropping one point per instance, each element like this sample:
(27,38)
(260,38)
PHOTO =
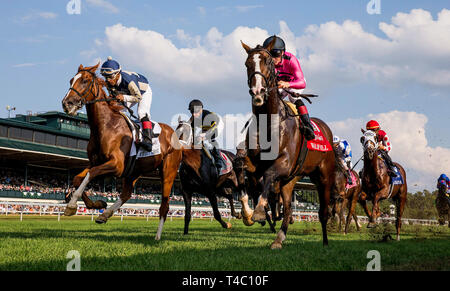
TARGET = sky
(393,66)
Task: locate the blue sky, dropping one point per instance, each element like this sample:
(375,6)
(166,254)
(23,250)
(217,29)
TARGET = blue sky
(42,47)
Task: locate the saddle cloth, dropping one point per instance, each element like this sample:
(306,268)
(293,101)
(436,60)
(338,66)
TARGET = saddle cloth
(348,186)
(137,135)
(228,164)
(320,143)
(397,180)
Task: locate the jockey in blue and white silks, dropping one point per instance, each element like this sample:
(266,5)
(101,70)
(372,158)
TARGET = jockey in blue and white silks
(134,88)
(444,180)
(344,147)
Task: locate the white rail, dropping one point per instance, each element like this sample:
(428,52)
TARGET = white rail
(152,210)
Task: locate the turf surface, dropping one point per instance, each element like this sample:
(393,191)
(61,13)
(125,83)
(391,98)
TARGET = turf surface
(42,243)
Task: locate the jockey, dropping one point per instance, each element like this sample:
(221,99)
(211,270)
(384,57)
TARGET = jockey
(204,125)
(444,180)
(344,147)
(290,80)
(383,144)
(135,89)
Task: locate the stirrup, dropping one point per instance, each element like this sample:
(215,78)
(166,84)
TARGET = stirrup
(147,146)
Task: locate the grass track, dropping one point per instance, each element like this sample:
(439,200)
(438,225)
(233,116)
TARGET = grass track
(41,243)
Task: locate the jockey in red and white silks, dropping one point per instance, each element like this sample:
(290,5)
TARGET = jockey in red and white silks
(383,144)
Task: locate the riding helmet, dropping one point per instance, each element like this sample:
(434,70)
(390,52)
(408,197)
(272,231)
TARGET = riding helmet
(278,48)
(195,104)
(110,67)
(372,125)
(336,139)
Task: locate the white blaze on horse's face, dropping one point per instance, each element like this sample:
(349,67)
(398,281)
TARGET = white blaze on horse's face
(369,142)
(256,89)
(70,103)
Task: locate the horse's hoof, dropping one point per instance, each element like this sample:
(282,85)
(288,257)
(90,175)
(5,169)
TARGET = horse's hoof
(276,246)
(228,225)
(258,216)
(69,211)
(101,219)
(248,221)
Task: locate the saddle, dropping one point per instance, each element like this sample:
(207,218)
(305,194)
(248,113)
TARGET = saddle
(226,160)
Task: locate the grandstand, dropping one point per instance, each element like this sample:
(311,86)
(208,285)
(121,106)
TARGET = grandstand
(41,153)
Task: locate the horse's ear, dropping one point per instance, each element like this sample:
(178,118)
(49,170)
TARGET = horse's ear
(271,44)
(80,67)
(246,47)
(363,131)
(94,68)
(179,118)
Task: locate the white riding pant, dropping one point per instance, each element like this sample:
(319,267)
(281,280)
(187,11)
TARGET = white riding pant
(286,92)
(144,105)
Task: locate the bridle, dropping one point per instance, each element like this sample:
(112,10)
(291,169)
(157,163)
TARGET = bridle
(181,131)
(267,81)
(92,85)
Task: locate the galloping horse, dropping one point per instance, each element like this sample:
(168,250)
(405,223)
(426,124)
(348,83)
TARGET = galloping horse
(376,181)
(343,196)
(272,113)
(198,174)
(110,143)
(443,205)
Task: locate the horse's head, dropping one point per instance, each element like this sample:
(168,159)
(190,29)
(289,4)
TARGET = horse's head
(83,88)
(369,142)
(184,132)
(260,72)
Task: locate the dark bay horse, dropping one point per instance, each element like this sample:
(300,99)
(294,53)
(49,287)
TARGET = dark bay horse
(277,162)
(110,143)
(376,181)
(198,174)
(343,196)
(443,205)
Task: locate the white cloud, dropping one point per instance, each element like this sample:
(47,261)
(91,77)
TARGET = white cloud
(247,8)
(201,10)
(107,6)
(25,65)
(415,49)
(38,15)
(410,148)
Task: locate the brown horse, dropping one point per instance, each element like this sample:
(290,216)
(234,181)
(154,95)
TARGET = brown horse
(443,205)
(110,143)
(342,196)
(277,161)
(198,174)
(376,181)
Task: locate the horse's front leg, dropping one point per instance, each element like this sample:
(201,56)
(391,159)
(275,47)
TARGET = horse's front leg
(286,193)
(127,189)
(259,215)
(112,166)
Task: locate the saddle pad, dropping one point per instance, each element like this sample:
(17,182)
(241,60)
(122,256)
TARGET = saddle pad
(137,135)
(228,164)
(348,186)
(397,180)
(320,143)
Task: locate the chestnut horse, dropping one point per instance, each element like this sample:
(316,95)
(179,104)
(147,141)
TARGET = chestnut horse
(443,205)
(376,181)
(278,161)
(198,174)
(110,143)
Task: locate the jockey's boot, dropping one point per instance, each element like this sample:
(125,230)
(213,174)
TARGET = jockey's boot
(218,162)
(309,131)
(304,117)
(390,165)
(147,131)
